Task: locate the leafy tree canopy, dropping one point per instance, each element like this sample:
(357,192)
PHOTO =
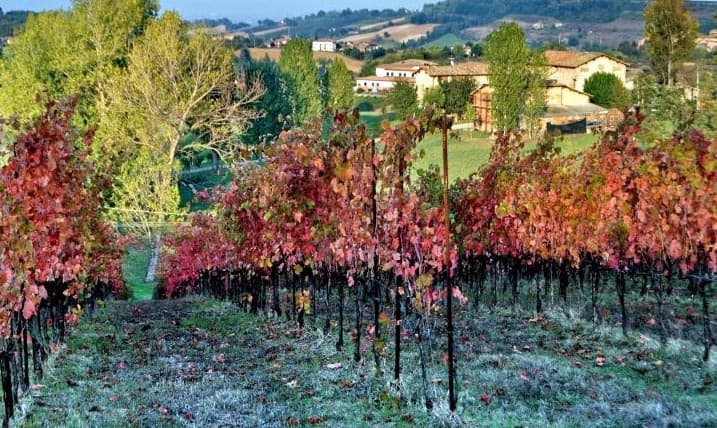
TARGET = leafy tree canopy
(403,98)
(302,75)
(607,91)
(671,32)
(515,74)
(58,54)
(340,86)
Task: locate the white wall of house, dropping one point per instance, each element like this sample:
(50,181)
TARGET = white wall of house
(387,71)
(371,84)
(323,46)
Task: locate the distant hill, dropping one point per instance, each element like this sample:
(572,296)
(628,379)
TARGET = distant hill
(11,20)
(585,24)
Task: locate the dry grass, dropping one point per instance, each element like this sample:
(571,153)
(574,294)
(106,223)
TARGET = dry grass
(353,64)
(270,31)
(381,24)
(397,33)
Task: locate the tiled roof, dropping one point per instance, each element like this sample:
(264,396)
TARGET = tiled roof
(470,68)
(574,59)
(550,83)
(407,65)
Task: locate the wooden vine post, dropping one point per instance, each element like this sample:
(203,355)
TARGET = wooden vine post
(452,399)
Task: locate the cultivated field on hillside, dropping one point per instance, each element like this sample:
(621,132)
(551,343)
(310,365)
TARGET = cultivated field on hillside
(397,33)
(274,54)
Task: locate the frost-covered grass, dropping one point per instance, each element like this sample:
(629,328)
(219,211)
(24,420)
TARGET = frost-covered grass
(199,362)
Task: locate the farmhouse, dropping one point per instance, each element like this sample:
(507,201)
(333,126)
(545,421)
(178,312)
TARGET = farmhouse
(564,106)
(377,84)
(429,76)
(572,68)
(365,46)
(323,45)
(708,42)
(388,74)
(404,68)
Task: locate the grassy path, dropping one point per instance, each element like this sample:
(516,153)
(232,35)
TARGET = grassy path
(203,363)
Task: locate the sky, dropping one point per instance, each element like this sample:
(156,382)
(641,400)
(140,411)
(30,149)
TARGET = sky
(239,10)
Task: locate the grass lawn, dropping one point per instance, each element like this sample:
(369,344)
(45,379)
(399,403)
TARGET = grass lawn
(136,263)
(373,120)
(199,362)
(468,150)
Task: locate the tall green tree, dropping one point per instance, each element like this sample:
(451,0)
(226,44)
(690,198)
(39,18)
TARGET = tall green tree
(670,33)
(403,98)
(302,74)
(340,86)
(58,54)
(179,94)
(177,84)
(535,93)
(607,91)
(517,76)
(274,111)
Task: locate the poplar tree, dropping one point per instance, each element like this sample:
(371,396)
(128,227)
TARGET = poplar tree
(670,33)
(302,75)
(340,86)
(517,76)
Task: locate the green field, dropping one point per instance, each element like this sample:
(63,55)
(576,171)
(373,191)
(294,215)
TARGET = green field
(373,121)
(136,263)
(468,150)
(446,40)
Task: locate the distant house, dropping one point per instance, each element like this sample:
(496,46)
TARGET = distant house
(323,45)
(278,42)
(404,68)
(564,105)
(378,84)
(367,46)
(573,68)
(430,76)
(708,42)
(388,74)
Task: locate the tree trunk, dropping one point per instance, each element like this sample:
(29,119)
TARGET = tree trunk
(357,350)
(706,327)
(620,283)
(340,342)
(397,330)
(7,387)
